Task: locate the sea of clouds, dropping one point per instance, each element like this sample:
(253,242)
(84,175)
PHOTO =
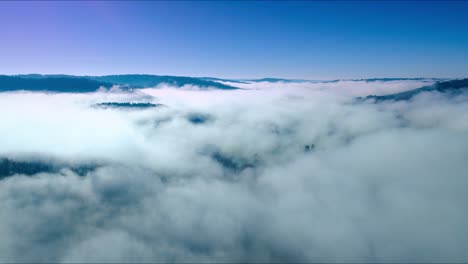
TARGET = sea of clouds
(273,172)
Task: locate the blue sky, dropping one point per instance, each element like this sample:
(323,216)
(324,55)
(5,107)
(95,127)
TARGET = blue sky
(312,40)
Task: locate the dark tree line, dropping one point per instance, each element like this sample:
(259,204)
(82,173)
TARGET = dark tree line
(53,84)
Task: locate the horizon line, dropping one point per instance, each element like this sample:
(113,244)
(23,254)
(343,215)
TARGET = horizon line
(229,78)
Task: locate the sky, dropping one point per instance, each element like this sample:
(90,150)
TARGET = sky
(248,39)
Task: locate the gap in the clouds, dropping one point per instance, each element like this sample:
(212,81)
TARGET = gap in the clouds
(199,118)
(11,166)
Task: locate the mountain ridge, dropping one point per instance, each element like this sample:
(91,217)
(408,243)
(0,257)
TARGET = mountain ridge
(452,87)
(80,84)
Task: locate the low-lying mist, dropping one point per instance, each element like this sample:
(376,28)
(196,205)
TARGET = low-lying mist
(272,172)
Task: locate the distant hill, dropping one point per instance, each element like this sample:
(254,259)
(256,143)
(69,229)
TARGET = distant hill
(452,87)
(274,80)
(71,83)
(399,79)
(52,84)
(221,80)
(146,80)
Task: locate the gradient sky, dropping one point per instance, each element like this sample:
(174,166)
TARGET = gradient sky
(313,40)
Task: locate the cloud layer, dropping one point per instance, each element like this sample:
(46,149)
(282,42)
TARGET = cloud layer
(272,173)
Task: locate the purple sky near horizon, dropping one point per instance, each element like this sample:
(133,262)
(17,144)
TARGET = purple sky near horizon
(312,40)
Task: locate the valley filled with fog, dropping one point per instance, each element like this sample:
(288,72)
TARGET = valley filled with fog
(212,170)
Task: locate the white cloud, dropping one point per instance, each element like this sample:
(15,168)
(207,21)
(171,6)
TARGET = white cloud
(380,182)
